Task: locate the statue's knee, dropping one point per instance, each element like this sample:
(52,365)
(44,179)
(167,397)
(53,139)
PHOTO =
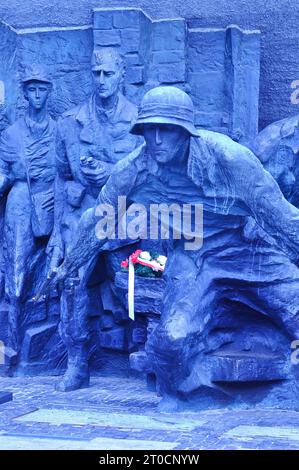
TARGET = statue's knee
(164,340)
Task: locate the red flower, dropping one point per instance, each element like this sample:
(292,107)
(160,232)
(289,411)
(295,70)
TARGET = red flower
(124,264)
(134,256)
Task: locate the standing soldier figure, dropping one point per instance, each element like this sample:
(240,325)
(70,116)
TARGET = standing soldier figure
(27,171)
(92,137)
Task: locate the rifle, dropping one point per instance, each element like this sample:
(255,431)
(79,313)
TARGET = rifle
(45,286)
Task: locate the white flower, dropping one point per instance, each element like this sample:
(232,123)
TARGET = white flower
(145,255)
(155,266)
(162,260)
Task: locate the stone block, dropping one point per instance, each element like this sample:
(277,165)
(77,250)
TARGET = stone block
(135,75)
(172,73)
(104,37)
(102,19)
(126,19)
(8,357)
(134,92)
(246,367)
(169,35)
(168,57)
(208,91)
(148,293)
(114,339)
(35,311)
(53,308)
(109,300)
(212,120)
(3,322)
(35,341)
(130,39)
(139,334)
(206,50)
(106,321)
(234,367)
(139,362)
(133,59)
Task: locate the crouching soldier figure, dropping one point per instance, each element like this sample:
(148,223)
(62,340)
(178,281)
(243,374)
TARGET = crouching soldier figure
(183,165)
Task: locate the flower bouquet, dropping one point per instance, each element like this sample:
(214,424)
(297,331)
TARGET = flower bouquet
(146,263)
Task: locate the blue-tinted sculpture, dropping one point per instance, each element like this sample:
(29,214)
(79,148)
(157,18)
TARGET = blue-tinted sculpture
(27,172)
(4,123)
(170,51)
(91,138)
(230,310)
(183,165)
(277,147)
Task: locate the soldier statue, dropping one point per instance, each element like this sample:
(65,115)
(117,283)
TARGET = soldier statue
(277,147)
(27,173)
(181,164)
(91,138)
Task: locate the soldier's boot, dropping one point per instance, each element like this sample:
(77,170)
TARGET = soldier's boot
(77,374)
(74,332)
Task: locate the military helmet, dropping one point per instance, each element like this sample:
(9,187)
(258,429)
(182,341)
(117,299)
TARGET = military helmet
(166,105)
(35,72)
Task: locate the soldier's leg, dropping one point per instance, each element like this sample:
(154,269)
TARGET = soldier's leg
(74,329)
(189,302)
(19,251)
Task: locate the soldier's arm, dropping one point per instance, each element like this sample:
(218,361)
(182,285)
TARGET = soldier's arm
(7,153)
(55,245)
(127,174)
(276,157)
(260,192)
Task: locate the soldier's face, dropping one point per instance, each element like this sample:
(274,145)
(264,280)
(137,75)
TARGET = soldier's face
(107,78)
(164,140)
(36,93)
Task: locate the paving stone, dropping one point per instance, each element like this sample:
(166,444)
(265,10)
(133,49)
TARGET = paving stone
(129,444)
(250,432)
(116,420)
(118,412)
(5,397)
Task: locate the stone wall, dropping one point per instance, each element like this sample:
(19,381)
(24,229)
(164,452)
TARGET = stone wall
(277,21)
(218,67)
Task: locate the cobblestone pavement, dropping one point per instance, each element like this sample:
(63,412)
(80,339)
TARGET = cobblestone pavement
(120,413)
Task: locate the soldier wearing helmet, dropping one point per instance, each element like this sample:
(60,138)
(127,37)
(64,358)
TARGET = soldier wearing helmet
(181,164)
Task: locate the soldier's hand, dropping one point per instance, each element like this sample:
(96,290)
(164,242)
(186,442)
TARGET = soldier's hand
(96,172)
